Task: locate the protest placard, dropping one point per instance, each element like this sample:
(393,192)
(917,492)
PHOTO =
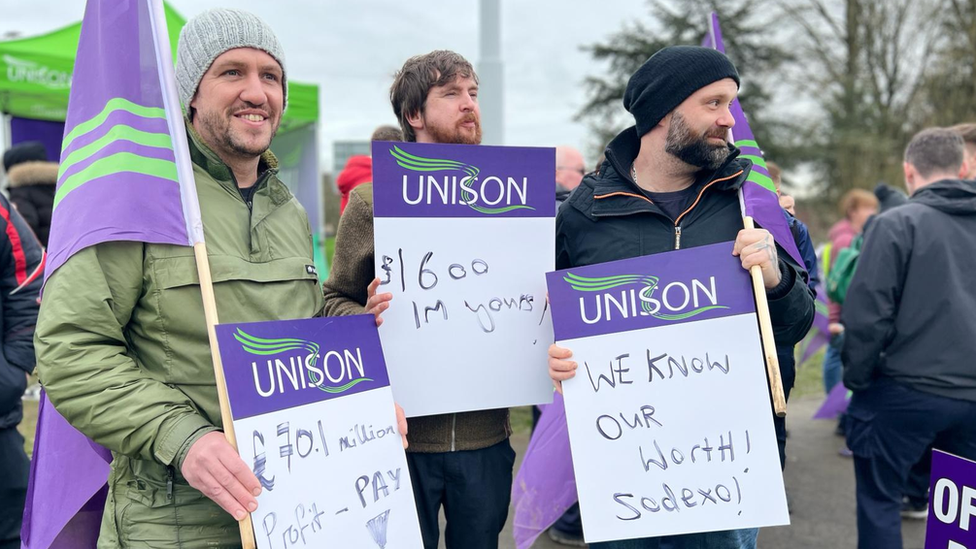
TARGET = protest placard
(669,415)
(952,512)
(315,420)
(464,236)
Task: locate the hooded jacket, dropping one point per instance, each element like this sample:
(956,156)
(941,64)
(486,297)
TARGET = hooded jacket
(841,235)
(909,313)
(358,170)
(32,186)
(21,267)
(608,218)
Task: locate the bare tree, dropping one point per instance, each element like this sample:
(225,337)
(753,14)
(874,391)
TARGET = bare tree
(868,63)
(756,56)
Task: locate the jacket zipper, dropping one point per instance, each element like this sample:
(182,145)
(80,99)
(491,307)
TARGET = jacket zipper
(677,226)
(453,430)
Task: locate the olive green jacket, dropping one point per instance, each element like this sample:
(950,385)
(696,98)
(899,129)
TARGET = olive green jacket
(123,353)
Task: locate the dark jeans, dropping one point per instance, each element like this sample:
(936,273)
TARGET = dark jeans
(729,539)
(475,488)
(570,523)
(890,426)
(917,487)
(14,470)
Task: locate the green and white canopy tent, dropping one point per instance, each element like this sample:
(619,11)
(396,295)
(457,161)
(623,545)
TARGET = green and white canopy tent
(35,78)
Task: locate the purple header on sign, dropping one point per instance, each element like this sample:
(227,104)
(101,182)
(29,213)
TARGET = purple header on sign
(649,291)
(953,503)
(436,180)
(272,366)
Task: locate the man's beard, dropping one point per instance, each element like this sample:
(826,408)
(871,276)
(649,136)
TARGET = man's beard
(218,127)
(695,150)
(457,135)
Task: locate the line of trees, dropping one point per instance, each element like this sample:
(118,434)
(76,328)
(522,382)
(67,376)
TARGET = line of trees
(833,87)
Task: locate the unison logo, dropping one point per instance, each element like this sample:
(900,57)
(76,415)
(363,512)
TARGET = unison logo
(23,70)
(488,195)
(299,368)
(636,297)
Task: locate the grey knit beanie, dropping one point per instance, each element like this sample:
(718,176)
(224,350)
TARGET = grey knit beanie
(213,32)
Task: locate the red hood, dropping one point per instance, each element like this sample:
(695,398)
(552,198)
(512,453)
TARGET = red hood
(358,170)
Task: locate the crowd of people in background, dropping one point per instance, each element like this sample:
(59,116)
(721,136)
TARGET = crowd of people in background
(901,322)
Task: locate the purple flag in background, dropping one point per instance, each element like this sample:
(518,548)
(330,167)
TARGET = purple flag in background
(759,199)
(67,488)
(819,334)
(545,486)
(124,171)
(835,404)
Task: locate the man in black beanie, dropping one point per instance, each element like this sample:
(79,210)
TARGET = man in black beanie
(669,182)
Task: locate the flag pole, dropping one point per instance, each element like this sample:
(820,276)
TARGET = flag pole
(194,225)
(765,322)
(758,287)
(766,332)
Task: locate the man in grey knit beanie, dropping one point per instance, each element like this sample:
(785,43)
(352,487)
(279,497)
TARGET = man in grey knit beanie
(230,72)
(176,482)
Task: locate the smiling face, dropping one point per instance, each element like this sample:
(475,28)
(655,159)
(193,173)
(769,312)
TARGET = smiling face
(237,107)
(451,114)
(699,126)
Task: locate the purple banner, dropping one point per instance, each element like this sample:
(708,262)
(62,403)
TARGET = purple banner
(758,192)
(118,178)
(835,404)
(645,292)
(67,486)
(272,366)
(545,486)
(952,511)
(435,180)
(48,133)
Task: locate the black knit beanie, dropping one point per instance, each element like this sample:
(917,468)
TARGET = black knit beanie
(671,75)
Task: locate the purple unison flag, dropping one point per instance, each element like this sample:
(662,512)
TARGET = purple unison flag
(545,486)
(952,508)
(67,485)
(124,172)
(118,178)
(759,199)
(835,404)
(819,334)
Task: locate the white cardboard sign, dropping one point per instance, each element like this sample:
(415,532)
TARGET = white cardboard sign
(669,416)
(463,238)
(314,418)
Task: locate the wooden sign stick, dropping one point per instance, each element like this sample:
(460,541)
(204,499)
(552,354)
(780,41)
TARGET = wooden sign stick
(210,312)
(766,334)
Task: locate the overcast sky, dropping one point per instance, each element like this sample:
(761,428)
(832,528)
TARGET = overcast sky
(352,48)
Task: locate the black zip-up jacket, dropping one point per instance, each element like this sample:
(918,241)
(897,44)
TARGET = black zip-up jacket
(21,274)
(910,311)
(609,218)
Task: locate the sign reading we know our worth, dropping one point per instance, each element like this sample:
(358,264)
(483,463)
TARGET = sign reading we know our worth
(315,420)
(463,238)
(669,417)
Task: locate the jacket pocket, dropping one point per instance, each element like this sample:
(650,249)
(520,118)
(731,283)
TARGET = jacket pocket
(861,437)
(175,272)
(245,292)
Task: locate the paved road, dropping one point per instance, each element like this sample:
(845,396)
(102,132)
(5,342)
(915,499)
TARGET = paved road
(820,484)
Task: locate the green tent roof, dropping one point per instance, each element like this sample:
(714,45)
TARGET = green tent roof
(35,76)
